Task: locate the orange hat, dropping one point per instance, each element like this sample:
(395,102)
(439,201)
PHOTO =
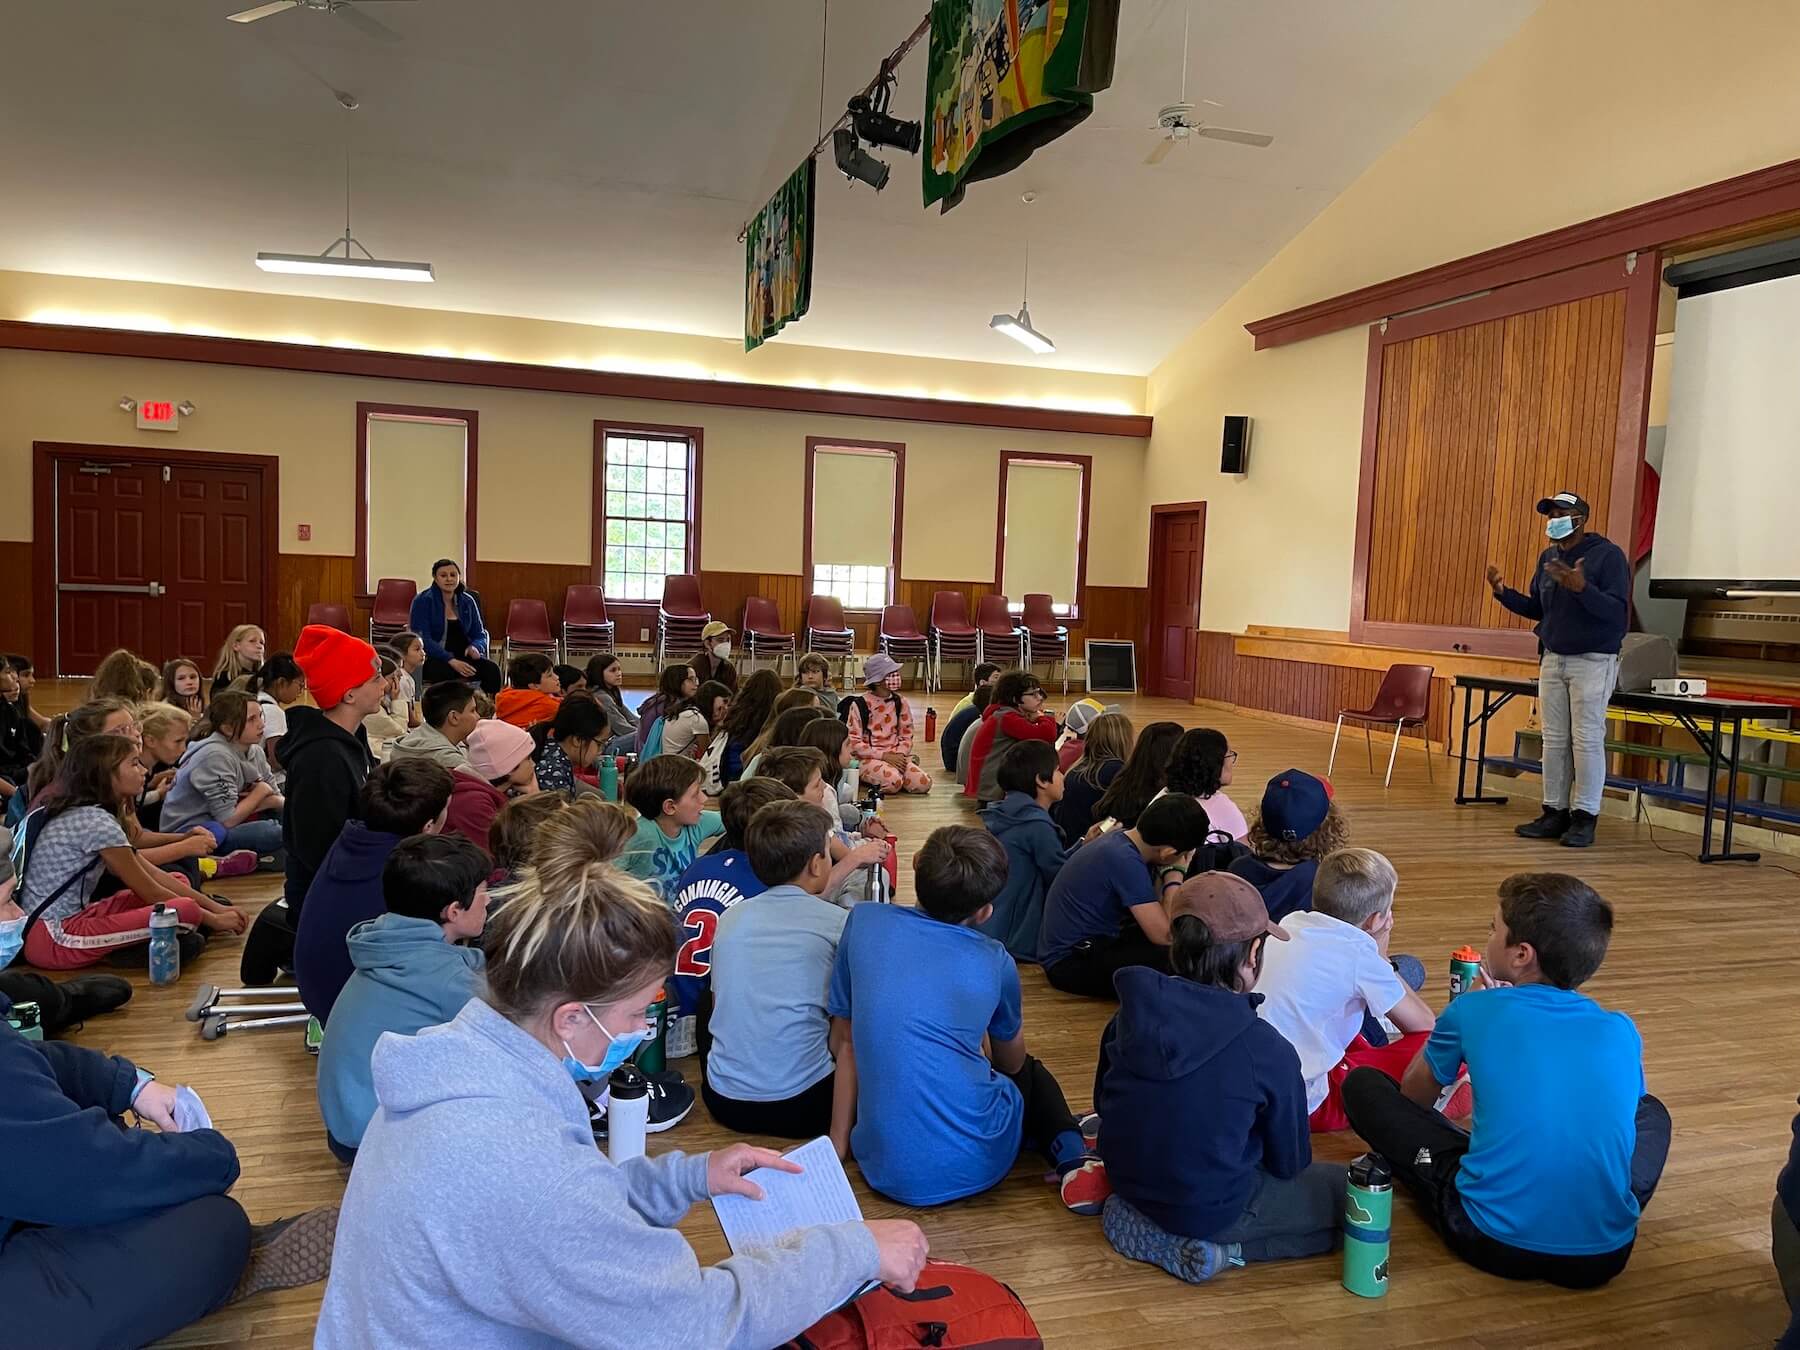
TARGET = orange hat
(333,662)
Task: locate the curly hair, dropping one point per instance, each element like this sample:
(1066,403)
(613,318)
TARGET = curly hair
(1333,833)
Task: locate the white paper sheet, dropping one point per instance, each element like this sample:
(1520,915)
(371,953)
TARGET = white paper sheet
(190,1111)
(819,1194)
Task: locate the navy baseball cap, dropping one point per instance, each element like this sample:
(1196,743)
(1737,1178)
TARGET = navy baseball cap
(1294,804)
(1564,501)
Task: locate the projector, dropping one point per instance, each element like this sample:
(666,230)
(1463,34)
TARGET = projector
(1680,688)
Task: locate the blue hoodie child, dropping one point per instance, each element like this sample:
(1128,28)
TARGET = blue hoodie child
(1034,855)
(345,892)
(407,977)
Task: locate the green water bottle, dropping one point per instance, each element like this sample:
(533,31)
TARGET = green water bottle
(652,1057)
(1465,970)
(27,1020)
(609,778)
(1368,1212)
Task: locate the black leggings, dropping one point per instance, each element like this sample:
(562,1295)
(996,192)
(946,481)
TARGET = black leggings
(1047,1118)
(1089,969)
(1399,1128)
(487,674)
(806,1116)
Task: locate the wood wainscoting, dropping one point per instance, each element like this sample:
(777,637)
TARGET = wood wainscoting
(16,613)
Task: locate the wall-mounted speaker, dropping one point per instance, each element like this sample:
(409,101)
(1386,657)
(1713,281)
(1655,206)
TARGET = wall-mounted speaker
(1235,457)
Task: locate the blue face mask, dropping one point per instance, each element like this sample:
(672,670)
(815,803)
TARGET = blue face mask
(616,1053)
(1560,527)
(12,937)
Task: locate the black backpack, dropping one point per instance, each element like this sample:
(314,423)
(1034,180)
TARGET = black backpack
(1217,854)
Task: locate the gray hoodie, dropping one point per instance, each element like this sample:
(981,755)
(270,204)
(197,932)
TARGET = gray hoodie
(427,742)
(481,1215)
(213,775)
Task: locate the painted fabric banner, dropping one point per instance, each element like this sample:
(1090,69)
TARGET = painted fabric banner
(1006,76)
(778,259)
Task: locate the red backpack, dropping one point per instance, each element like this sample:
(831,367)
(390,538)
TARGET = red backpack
(953,1307)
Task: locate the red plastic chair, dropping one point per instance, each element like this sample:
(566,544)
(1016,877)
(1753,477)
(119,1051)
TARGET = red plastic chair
(1047,640)
(901,639)
(998,636)
(528,629)
(393,608)
(680,616)
(953,637)
(1403,699)
(586,631)
(826,632)
(332,616)
(762,633)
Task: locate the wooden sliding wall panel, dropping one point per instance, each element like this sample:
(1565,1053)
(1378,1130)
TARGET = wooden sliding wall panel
(1434,473)
(724,594)
(1318,692)
(1215,674)
(302,580)
(1558,409)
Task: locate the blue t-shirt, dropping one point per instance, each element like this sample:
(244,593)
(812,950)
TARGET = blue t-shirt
(1557,1080)
(1093,895)
(935,1121)
(1285,890)
(654,857)
(713,884)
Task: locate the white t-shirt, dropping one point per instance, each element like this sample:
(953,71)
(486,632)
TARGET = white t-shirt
(1316,987)
(680,733)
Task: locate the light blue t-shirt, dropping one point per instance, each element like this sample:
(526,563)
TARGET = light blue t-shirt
(1556,1079)
(772,959)
(935,1121)
(654,857)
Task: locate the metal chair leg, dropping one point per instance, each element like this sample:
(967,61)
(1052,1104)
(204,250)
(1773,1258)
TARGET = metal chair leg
(1389,780)
(1369,749)
(1430,773)
(1332,762)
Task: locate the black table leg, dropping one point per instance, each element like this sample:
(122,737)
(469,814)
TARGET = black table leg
(1737,736)
(1462,766)
(1489,706)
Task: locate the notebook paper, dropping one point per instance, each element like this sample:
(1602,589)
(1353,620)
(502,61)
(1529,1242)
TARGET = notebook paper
(819,1194)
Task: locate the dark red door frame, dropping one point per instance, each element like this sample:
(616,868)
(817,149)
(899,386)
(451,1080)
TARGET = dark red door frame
(1153,648)
(44,458)
(362,581)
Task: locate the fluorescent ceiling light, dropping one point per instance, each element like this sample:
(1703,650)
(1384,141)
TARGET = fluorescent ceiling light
(331,265)
(1018,328)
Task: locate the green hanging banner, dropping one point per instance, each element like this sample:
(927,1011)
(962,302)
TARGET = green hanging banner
(1004,77)
(778,259)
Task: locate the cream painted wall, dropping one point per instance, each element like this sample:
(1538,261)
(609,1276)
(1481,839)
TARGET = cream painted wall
(536,462)
(1578,115)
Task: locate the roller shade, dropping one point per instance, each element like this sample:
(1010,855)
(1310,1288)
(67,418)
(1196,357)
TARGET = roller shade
(417,478)
(1043,530)
(853,507)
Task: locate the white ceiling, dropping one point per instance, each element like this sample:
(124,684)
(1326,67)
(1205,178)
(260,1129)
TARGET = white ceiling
(593,160)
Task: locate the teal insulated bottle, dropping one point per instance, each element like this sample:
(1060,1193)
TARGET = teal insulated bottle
(1368,1212)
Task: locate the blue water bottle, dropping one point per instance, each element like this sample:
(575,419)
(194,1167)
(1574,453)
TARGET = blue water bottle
(165,951)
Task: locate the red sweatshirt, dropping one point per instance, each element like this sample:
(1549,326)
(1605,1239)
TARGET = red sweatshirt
(999,722)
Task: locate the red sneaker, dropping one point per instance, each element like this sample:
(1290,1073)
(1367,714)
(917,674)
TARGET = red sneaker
(1085,1187)
(240,863)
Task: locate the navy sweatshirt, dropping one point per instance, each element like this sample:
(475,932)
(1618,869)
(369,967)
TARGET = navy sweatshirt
(345,891)
(1574,623)
(71,1163)
(1198,1055)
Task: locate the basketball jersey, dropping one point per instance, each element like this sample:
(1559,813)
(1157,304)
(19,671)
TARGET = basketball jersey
(712,884)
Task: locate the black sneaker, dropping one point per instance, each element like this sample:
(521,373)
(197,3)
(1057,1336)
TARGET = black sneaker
(1553,824)
(91,995)
(1580,833)
(670,1101)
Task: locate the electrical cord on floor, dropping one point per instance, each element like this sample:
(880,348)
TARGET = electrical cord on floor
(1644,816)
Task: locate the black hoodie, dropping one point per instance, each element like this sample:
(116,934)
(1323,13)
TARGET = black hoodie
(1195,1094)
(326,768)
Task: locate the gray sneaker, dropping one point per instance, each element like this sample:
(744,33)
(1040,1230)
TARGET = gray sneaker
(1135,1236)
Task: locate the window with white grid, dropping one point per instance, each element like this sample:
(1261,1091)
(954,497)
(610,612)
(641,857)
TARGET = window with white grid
(855,504)
(648,500)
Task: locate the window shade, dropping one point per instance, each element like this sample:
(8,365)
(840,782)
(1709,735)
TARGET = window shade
(416,484)
(853,508)
(1043,530)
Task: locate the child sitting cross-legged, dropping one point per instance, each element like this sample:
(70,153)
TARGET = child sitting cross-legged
(570,742)
(802,769)
(1298,824)
(1035,852)
(411,972)
(533,692)
(1320,988)
(770,1069)
(1236,1183)
(672,820)
(913,994)
(500,769)
(1567,1146)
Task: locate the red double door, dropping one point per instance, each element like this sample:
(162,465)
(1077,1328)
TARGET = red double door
(162,559)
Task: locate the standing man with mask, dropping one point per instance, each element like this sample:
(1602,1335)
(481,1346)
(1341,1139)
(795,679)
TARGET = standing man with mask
(1581,599)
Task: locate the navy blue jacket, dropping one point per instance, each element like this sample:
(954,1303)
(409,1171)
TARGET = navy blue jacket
(954,730)
(1034,855)
(1197,1056)
(70,1164)
(1572,623)
(345,891)
(427,620)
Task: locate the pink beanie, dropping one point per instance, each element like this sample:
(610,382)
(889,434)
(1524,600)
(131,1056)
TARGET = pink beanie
(495,748)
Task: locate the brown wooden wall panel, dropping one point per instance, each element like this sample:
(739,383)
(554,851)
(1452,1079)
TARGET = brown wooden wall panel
(1116,612)
(1215,674)
(16,611)
(1317,692)
(302,580)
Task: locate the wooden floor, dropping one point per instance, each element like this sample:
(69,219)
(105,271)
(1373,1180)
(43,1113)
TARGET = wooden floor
(1700,959)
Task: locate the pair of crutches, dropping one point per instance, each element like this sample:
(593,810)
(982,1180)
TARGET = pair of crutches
(217,1017)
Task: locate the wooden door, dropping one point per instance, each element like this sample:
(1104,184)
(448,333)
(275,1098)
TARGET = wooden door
(212,575)
(1176,542)
(109,561)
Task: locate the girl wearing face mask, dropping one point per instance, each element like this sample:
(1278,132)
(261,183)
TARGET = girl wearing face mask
(714,660)
(573,962)
(881,731)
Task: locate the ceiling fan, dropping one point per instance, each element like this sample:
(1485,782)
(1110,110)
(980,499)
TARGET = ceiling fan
(344,9)
(1180,122)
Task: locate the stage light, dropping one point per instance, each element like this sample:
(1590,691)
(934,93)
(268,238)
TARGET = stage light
(856,163)
(875,126)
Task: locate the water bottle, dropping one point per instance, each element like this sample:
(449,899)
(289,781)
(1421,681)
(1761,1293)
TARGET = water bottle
(27,1020)
(609,779)
(871,808)
(930,724)
(627,1113)
(652,1056)
(1465,971)
(1368,1212)
(165,951)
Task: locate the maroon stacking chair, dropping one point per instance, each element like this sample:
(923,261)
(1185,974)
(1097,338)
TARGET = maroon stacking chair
(953,637)
(1047,641)
(901,639)
(332,616)
(393,608)
(586,631)
(998,637)
(762,633)
(1403,699)
(826,632)
(680,617)
(528,629)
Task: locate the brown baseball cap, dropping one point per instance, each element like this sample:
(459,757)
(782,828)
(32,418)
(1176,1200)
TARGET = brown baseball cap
(1231,907)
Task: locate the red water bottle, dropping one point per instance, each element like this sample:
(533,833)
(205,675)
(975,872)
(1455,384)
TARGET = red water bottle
(931,724)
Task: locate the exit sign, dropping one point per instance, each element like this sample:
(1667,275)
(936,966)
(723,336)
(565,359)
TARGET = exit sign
(157,415)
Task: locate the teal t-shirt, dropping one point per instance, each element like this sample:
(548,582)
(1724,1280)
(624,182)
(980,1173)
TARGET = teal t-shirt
(654,857)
